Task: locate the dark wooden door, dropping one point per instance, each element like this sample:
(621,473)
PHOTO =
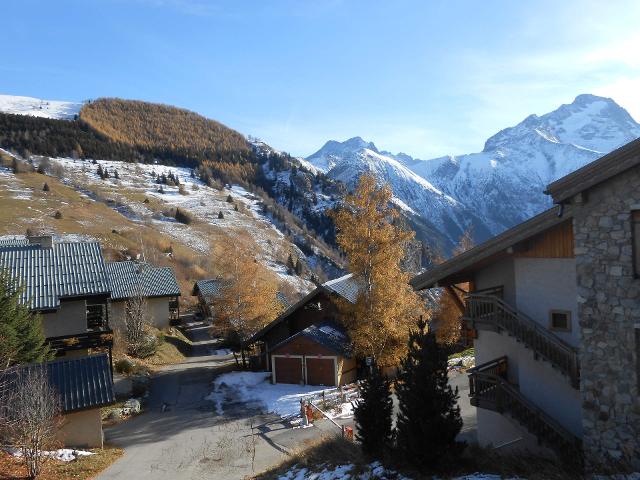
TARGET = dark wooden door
(288,370)
(321,371)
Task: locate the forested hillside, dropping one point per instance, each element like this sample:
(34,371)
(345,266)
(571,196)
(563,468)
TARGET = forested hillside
(134,131)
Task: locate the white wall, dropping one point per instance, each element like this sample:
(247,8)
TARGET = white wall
(158,309)
(533,286)
(545,284)
(69,319)
(498,274)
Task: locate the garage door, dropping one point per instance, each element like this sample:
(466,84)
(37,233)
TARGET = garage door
(321,371)
(288,370)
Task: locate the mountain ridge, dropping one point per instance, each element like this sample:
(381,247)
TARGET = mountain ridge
(503,184)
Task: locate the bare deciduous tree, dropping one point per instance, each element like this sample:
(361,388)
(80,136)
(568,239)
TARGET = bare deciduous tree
(29,414)
(137,321)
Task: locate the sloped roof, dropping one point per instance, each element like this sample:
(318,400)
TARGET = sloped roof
(490,249)
(128,279)
(598,171)
(13,242)
(345,287)
(208,288)
(327,334)
(81,382)
(212,288)
(46,275)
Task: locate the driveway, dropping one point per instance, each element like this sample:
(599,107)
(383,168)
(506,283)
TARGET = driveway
(181,437)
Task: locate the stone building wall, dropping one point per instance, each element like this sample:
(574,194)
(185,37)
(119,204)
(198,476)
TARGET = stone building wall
(609,313)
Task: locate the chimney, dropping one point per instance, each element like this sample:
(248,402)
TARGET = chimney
(45,241)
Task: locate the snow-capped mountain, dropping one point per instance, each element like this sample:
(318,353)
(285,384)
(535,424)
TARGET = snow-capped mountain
(39,108)
(502,185)
(346,161)
(505,182)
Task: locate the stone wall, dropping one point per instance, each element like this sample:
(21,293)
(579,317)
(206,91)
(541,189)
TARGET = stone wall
(609,311)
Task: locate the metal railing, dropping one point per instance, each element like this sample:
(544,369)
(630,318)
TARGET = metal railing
(489,389)
(490,310)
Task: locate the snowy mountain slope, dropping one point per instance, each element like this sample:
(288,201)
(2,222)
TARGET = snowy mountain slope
(36,107)
(505,182)
(346,161)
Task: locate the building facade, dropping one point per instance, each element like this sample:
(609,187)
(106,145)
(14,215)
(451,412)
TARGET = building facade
(554,306)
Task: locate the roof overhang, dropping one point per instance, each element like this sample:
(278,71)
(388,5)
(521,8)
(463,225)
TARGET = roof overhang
(460,268)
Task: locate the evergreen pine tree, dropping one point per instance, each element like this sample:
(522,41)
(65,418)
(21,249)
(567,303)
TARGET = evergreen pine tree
(373,414)
(229,199)
(45,187)
(290,265)
(100,171)
(21,332)
(429,417)
(115,174)
(220,215)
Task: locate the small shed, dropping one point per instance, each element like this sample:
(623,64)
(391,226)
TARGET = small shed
(207,292)
(318,355)
(84,385)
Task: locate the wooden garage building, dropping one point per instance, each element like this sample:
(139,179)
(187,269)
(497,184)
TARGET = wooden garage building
(307,339)
(317,355)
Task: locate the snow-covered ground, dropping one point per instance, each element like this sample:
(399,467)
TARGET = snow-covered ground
(62,454)
(467,361)
(37,107)
(256,388)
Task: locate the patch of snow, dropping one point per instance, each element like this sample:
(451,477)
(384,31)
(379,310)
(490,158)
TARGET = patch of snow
(256,388)
(221,352)
(339,472)
(62,454)
(36,107)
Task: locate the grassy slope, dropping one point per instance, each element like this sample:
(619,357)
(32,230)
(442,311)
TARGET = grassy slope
(35,209)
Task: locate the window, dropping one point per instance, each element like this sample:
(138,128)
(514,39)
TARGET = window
(635,236)
(560,320)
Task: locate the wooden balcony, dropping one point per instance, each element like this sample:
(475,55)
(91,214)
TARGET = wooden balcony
(99,338)
(492,313)
(489,389)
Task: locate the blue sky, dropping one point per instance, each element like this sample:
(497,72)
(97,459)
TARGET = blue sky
(428,78)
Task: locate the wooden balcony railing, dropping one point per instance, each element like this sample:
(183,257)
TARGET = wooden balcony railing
(94,339)
(489,389)
(488,310)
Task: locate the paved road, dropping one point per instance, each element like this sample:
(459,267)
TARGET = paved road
(181,437)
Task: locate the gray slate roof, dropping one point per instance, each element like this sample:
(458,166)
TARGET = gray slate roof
(346,287)
(212,288)
(81,382)
(208,288)
(46,275)
(327,334)
(126,279)
(13,242)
